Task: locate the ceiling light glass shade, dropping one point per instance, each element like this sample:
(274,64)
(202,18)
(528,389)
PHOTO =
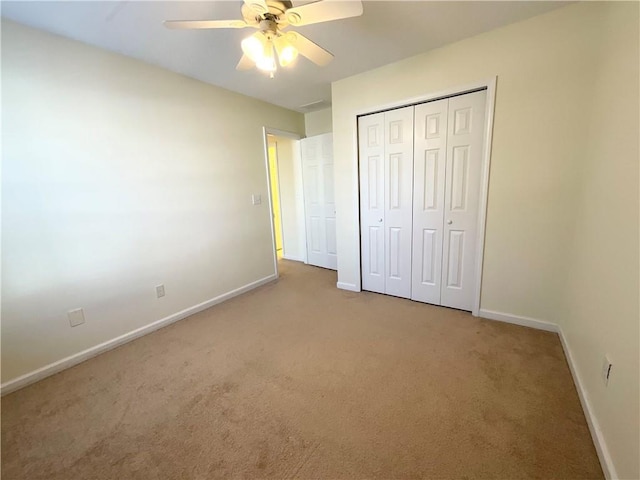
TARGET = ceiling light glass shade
(287,53)
(267,61)
(260,49)
(254,46)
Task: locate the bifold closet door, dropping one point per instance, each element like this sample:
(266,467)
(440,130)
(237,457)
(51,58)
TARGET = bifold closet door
(419,193)
(466,126)
(398,185)
(371,165)
(429,162)
(386,196)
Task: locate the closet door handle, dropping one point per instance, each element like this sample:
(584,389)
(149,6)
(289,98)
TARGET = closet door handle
(449,222)
(380,221)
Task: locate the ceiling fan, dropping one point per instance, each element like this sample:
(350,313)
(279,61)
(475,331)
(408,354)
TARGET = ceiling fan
(271,18)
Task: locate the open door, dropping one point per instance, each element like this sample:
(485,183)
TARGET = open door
(275,196)
(319,200)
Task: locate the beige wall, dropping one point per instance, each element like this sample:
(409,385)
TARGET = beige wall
(602,314)
(319,122)
(542,176)
(545,71)
(119,176)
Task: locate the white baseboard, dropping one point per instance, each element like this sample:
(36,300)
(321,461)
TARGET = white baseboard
(292,257)
(518,320)
(347,286)
(596,434)
(55,367)
(592,422)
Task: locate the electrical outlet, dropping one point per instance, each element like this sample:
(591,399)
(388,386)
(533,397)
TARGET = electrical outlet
(160,291)
(607,367)
(76,317)
(256,199)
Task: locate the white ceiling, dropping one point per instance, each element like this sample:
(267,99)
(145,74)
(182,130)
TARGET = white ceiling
(388,31)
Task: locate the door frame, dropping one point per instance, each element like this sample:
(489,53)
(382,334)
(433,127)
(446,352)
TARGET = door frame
(490,85)
(277,133)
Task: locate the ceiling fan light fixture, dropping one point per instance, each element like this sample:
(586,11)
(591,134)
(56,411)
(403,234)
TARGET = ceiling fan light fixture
(267,61)
(254,46)
(271,17)
(287,53)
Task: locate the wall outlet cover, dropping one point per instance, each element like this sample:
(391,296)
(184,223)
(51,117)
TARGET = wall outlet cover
(76,317)
(160,291)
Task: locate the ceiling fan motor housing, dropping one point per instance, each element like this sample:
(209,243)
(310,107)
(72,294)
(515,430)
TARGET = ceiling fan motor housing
(254,12)
(269,27)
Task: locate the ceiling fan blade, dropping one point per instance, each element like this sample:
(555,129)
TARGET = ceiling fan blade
(257,6)
(307,48)
(193,24)
(245,63)
(323,11)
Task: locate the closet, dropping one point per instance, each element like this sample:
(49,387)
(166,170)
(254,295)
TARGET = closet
(420,169)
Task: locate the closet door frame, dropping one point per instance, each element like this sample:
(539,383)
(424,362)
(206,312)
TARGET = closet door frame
(490,86)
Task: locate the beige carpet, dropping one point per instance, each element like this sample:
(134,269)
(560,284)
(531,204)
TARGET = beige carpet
(300,380)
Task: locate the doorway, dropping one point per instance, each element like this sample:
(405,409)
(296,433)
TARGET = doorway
(286,197)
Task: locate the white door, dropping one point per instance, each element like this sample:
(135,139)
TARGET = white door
(372,203)
(430,151)
(319,201)
(385,143)
(462,195)
(419,194)
(398,200)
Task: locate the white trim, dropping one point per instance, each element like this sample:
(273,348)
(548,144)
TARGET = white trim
(459,90)
(348,286)
(596,434)
(265,138)
(484,192)
(355,147)
(519,320)
(55,367)
(283,133)
(293,258)
(490,84)
(303,241)
(594,428)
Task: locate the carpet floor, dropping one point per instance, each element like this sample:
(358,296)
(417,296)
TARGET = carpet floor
(298,379)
